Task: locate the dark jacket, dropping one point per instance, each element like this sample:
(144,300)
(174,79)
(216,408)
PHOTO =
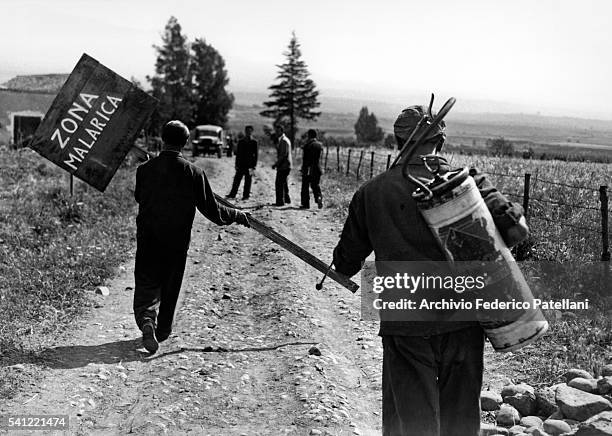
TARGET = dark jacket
(246,153)
(383,217)
(311,159)
(168,190)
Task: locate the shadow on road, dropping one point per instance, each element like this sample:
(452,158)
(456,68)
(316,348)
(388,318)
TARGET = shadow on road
(75,356)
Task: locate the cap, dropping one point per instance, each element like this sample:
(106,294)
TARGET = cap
(407,121)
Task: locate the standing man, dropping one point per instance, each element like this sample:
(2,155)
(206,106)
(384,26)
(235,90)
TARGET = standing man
(168,190)
(246,161)
(283,166)
(432,370)
(311,170)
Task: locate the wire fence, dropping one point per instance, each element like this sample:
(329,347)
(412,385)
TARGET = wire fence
(552,204)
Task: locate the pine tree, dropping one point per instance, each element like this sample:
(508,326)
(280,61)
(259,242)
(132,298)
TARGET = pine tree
(170,84)
(366,127)
(211,101)
(294,96)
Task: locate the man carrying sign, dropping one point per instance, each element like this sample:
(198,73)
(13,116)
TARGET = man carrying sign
(168,191)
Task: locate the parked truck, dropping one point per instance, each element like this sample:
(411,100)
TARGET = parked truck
(209,139)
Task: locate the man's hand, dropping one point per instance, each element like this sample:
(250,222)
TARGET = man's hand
(274,166)
(243,219)
(517,233)
(251,171)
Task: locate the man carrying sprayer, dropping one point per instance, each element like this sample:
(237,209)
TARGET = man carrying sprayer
(246,161)
(168,190)
(432,371)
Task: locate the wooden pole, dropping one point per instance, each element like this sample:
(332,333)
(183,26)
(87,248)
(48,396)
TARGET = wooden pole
(295,249)
(348,162)
(605,241)
(71,185)
(372,165)
(526,193)
(388,161)
(338,157)
(359,164)
(326,154)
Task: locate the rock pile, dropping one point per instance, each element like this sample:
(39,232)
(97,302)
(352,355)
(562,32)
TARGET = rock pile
(581,406)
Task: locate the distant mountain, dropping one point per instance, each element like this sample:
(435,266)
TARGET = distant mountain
(465,111)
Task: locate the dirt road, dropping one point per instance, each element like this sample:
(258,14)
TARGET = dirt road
(238,362)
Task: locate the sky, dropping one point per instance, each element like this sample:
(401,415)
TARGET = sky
(550,56)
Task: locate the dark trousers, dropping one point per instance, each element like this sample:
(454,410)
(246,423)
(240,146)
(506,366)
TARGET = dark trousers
(282,187)
(310,182)
(240,172)
(431,384)
(158,275)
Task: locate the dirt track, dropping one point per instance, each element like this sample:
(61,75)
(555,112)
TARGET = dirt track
(239,362)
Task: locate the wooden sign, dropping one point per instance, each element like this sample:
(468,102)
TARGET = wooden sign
(93,122)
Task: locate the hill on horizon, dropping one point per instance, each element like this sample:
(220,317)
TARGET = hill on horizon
(469,110)
(339,115)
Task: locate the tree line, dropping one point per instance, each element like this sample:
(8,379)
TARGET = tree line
(191,80)
(190,83)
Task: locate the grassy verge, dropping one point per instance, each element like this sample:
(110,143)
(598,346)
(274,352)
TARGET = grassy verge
(579,339)
(54,250)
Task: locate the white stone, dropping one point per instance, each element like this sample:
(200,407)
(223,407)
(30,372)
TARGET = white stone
(103,290)
(579,405)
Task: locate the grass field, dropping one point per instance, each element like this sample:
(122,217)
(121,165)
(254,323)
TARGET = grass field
(546,136)
(54,249)
(564,207)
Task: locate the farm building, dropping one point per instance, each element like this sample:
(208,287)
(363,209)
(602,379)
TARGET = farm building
(24,100)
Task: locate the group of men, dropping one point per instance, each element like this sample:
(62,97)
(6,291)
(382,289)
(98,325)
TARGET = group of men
(246,161)
(432,372)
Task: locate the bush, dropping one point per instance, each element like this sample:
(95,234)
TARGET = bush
(500,146)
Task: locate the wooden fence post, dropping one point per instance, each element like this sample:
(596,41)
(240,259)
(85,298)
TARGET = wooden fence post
(326,153)
(348,162)
(521,250)
(605,241)
(338,157)
(359,164)
(371,164)
(526,193)
(388,160)
(71,185)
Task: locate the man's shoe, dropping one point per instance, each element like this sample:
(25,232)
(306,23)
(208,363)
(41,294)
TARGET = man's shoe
(149,341)
(230,196)
(320,203)
(304,207)
(278,204)
(245,197)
